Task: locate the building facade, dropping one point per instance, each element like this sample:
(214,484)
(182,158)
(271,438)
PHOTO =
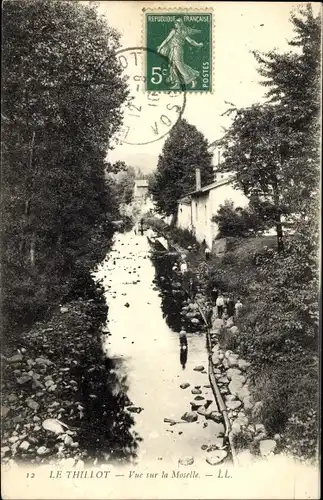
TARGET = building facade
(195,211)
(141,189)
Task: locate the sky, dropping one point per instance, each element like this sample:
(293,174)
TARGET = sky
(239,28)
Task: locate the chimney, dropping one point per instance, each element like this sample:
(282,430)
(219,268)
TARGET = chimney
(198,179)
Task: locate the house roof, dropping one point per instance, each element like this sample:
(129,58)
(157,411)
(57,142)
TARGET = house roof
(141,182)
(211,186)
(186,200)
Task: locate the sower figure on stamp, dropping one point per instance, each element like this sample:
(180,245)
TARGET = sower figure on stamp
(173,48)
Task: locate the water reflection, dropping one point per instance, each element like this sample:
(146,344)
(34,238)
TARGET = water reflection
(106,427)
(173,291)
(183,355)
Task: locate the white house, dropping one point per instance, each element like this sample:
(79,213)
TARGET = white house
(196,209)
(141,189)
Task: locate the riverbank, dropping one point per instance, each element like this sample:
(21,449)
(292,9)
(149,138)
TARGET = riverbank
(59,397)
(278,407)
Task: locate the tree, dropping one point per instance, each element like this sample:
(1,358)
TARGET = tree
(125,185)
(293,80)
(273,148)
(184,150)
(62,93)
(279,327)
(237,222)
(252,149)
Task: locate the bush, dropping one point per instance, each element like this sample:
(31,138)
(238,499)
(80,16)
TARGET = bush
(237,222)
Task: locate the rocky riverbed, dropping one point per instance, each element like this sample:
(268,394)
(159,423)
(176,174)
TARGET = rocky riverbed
(60,402)
(140,398)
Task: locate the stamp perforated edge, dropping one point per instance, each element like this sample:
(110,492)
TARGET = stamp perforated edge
(189,10)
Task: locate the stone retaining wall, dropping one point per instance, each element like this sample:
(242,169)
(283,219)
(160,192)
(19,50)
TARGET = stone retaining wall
(231,375)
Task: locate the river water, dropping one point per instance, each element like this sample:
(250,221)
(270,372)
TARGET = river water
(147,357)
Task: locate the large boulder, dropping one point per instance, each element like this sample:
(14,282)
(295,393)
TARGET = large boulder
(197,404)
(216,416)
(189,416)
(233,373)
(201,411)
(247,403)
(267,446)
(243,365)
(216,361)
(234,404)
(16,358)
(232,360)
(235,386)
(235,428)
(223,379)
(186,461)
(243,419)
(243,392)
(216,457)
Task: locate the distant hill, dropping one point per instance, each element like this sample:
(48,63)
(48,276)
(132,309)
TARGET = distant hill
(145,162)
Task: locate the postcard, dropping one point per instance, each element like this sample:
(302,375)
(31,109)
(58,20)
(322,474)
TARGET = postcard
(160,286)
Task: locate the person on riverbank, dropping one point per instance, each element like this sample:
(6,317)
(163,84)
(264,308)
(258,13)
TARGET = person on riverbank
(220,305)
(238,307)
(214,294)
(207,253)
(183,265)
(192,287)
(230,305)
(209,313)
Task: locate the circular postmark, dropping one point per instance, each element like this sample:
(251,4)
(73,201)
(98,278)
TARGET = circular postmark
(148,116)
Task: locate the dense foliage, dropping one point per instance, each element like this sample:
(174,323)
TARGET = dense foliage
(277,145)
(124,184)
(237,222)
(184,150)
(273,148)
(62,93)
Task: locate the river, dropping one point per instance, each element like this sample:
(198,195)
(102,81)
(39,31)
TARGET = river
(148,359)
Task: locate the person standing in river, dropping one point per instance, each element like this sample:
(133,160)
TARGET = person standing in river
(183,356)
(142,226)
(183,338)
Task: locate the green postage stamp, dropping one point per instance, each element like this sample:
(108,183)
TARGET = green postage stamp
(179,51)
